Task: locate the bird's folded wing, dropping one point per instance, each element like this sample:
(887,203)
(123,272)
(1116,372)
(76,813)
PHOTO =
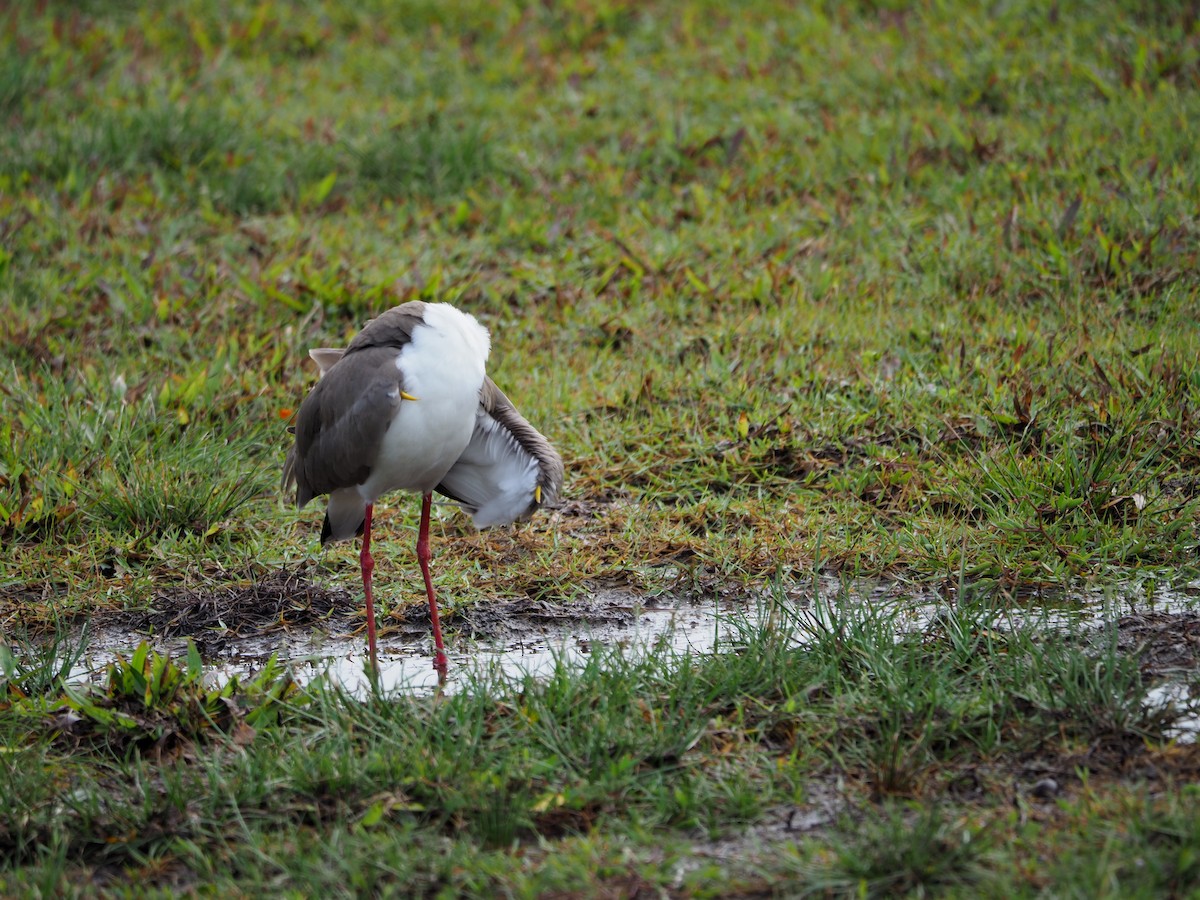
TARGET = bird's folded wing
(342,423)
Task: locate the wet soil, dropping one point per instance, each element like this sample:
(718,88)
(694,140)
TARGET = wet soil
(247,610)
(254,605)
(1166,643)
(238,620)
(251,606)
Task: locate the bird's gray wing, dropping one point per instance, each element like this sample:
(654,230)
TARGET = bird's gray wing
(341,423)
(508,470)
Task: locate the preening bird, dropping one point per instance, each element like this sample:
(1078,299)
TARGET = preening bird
(408,406)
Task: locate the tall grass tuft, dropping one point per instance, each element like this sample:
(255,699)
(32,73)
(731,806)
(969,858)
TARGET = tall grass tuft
(35,667)
(172,483)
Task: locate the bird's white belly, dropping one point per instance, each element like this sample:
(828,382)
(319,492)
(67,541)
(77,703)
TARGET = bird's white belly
(443,367)
(418,449)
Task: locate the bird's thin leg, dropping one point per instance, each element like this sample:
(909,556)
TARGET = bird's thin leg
(439,656)
(368,566)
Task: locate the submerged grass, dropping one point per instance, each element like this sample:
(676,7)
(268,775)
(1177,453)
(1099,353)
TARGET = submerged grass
(889,291)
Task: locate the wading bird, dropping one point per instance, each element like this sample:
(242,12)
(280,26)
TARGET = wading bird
(407,406)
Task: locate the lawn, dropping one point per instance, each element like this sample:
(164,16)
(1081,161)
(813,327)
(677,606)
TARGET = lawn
(884,294)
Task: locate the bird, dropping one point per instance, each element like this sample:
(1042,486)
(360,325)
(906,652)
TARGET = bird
(408,405)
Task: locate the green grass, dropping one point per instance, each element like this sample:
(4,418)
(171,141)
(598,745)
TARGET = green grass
(900,292)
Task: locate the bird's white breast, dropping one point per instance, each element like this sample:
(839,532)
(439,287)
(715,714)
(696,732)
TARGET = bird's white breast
(443,367)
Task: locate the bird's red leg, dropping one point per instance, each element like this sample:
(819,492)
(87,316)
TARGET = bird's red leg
(439,655)
(368,566)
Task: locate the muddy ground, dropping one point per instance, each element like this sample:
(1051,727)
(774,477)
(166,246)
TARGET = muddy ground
(290,602)
(249,614)
(249,608)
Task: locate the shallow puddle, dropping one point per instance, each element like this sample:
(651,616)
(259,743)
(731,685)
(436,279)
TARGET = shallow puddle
(694,629)
(516,640)
(407,665)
